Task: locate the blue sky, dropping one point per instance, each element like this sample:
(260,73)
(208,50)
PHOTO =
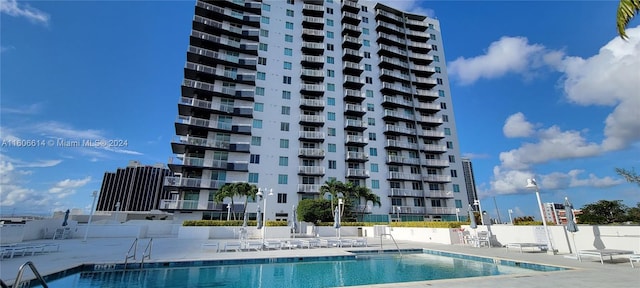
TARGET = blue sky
(541,89)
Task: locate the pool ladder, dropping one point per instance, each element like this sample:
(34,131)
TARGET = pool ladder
(394,242)
(145,255)
(17,283)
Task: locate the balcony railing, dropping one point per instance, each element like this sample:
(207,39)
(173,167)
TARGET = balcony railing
(402,144)
(202,142)
(316,170)
(408,210)
(437,178)
(357,173)
(351,155)
(404,176)
(176,181)
(309,188)
(311,135)
(441,210)
(311,152)
(404,130)
(405,192)
(439,194)
(356,139)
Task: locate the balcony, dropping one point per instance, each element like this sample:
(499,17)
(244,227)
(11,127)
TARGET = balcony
(313,120)
(312,74)
(435,162)
(399,130)
(351,42)
(432,134)
(433,148)
(394,75)
(176,181)
(396,101)
(439,194)
(429,120)
(382,14)
(311,136)
(352,68)
(309,188)
(351,6)
(311,170)
(179,142)
(401,144)
(436,178)
(419,47)
(391,39)
(389,28)
(404,176)
(312,35)
(396,192)
(352,95)
(312,47)
(420,58)
(396,115)
(358,125)
(441,210)
(351,18)
(408,210)
(352,30)
(309,61)
(392,159)
(312,10)
(356,140)
(418,36)
(429,107)
(311,152)
(312,89)
(351,55)
(354,109)
(356,156)
(427,95)
(312,104)
(357,173)
(313,22)
(416,24)
(393,63)
(392,88)
(353,82)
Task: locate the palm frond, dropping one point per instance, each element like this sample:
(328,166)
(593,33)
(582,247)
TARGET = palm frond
(627,9)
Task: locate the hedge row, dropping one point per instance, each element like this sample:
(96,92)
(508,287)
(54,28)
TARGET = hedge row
(346,224)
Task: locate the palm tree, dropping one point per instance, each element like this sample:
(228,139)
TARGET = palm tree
(332,187)
(248,191)
(362,192)
(227,190)
(627,9)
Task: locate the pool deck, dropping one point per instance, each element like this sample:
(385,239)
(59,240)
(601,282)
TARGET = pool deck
(589,273)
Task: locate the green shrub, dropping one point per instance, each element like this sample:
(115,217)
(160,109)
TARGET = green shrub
(212,223)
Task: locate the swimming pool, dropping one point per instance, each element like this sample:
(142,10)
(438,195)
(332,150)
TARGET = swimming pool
(294,272)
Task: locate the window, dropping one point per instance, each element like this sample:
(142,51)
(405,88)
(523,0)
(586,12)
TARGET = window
(368,79)
(372,136)
(288,38)
(282,197)
(439,80)
(264,33)
(264,19)
(329,22)
(433,37)
(370,107)
(331,101)
(262,61)
(329,34)
(286,94)
(288,51)
(447,131)
(365,20)
(434,47)
(254,158)
(369,93)
(283,161)
(289,12)
(431,26)
(452,159)
(263,47)
(266,7)
(256,140)
(286,79)
(373,152)
(458,203)
(367,67)
(374,167)
(331,87)
(257,123)
(331,116)
(332,164)
(438,70)
(445,118)
(261,75)
(396,201)
(366,43)
(441,93)
(375,184)
(253,178)
(286,65)
(367,55)
(454,173)
(331,131)
(330,47)
(331,147)
(258,107)
(284,143)
(371,121)
(331,73)
(364,8)
(436,59)
(330,60)
(449,145)
(329,10)
(365,31)
(284,126)
(418,202)
(286,110)
(456,188)
(290,2)
(288,25)
(283,178)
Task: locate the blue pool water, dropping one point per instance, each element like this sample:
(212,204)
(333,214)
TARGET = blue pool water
(295,272)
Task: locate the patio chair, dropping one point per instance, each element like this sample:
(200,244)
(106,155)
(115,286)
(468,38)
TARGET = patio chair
(483,238)
(634,258)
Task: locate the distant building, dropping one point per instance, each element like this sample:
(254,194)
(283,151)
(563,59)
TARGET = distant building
(137,188)
(555,212)
(469,181)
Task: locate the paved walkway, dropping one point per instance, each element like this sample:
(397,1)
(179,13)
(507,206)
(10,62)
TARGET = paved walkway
(589,273)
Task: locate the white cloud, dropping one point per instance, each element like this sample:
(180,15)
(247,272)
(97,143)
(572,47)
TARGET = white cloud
(68,187)
(410,6)
(517,126)
(6,48)
(507,55)
(12,8)
(23,110)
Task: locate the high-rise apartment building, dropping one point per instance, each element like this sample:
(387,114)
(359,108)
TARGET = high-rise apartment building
(469,182)
(136,187)
(289,94)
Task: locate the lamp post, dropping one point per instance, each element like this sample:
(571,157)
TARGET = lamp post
(264,210)
(94,194)
(458,214)
(531,184)
(115,213)
(510,218)
(477,203)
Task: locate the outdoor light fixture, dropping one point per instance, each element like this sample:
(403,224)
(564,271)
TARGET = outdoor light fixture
(94,194)
(263,197)
(477,203)
(531,184)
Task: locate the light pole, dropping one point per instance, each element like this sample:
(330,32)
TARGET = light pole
(510,218)
(94,194)
(477,203)
(115,214)
(458,214)
(264,210)
(531,184)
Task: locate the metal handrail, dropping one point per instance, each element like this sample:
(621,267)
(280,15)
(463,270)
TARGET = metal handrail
(128,256)
(16,283)
(394,242)
(146,253)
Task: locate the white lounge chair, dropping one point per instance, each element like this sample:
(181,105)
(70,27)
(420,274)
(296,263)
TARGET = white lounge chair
(634,258)
(601,253)
(541,246)
(272,244)
(253,245)
(208,246)
(233,246)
